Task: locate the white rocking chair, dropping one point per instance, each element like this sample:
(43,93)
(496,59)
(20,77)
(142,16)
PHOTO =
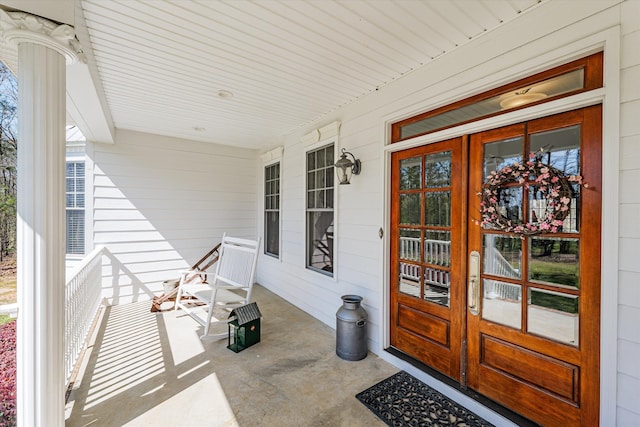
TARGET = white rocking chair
(229,287)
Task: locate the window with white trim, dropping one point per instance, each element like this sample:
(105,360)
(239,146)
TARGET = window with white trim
(75,207)
(319,209)
(272,210)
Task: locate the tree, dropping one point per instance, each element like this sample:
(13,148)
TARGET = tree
(8,160)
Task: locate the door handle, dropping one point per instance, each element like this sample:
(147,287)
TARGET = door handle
(474,282)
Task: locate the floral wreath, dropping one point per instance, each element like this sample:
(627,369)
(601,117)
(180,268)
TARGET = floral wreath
(553,183)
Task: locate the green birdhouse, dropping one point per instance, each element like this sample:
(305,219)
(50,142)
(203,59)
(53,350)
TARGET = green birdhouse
(244,327)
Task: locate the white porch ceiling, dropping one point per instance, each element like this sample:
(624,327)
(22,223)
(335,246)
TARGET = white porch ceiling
(163,63)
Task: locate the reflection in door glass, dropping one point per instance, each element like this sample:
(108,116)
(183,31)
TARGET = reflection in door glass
(539,209)
(553,315)
(437,247)
(554,261)
(560,148)
(409,244)
(501,303)
(436,286)
(502,153)
(410,173)
(437,208)
(502,255)
(437,170)
(409,280)
(410,209)
(510,204)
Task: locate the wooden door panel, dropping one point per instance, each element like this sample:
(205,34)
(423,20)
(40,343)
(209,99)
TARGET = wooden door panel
(425,325)
(539,371)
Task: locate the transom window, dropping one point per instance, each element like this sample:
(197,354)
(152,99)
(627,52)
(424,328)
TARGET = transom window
(320,196)
(575,77)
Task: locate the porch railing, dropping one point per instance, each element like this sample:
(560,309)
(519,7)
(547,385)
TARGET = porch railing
(82,301)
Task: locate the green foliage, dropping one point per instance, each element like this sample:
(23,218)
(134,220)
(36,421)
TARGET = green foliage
(8,160)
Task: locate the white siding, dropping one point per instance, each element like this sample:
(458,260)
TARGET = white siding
(628,388)
(554,33)
(161,203)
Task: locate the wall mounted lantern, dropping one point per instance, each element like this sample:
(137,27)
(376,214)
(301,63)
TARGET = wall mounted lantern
(345,167)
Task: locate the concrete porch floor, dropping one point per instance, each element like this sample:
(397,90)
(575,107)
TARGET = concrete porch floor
(152,369)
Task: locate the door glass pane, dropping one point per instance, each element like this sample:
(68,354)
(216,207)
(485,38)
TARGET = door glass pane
(437,170)
(501,303)
(437,208)
(410,173)
(409,280)
(409,244)
(510,204)
(553,315)
(437,247)
(555,261)
(502,255)
(565,215)
(501,153)
(410,209)
(436,286)
(560,148)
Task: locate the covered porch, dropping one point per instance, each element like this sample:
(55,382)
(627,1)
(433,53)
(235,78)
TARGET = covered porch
(144,368)
(189,107)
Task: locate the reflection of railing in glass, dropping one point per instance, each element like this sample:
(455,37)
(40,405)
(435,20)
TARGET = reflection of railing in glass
(437,252)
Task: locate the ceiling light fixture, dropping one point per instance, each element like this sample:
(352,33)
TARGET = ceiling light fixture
(225,94)
(521,97)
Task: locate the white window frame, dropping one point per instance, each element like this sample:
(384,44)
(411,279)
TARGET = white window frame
(77,152)
(270,158)
(315,147)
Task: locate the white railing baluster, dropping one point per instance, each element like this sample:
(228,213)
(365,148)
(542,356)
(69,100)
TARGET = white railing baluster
(82,301)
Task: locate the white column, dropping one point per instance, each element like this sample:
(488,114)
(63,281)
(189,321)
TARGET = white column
(43,50)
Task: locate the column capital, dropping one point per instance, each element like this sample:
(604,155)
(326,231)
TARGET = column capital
(21,27)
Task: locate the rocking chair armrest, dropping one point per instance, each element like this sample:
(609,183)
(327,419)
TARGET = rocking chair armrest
(228,286)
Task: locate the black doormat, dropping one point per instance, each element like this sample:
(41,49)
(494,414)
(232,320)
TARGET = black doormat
(402,400)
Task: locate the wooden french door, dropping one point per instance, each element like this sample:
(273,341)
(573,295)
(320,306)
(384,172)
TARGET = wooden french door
(514,316)
(427,305)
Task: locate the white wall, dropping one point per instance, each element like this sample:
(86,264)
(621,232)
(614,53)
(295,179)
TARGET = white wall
(629,294)
(161,203)
(552,34)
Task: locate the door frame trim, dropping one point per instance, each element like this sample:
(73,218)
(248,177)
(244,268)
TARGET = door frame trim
(609,96)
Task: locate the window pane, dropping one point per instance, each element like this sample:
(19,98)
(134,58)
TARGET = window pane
(436,286)
(409,280)
(501,303)
(75,231)
(410,173)
(437,170)
(437,209)
(272,233)
(553,315)
(554,261)
(320,241)
(437,247)
(501,153)
(502,256)
(409,244)
(410,209)
(561,148)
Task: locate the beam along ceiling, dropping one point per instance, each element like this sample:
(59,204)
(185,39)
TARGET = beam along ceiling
(245,73)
